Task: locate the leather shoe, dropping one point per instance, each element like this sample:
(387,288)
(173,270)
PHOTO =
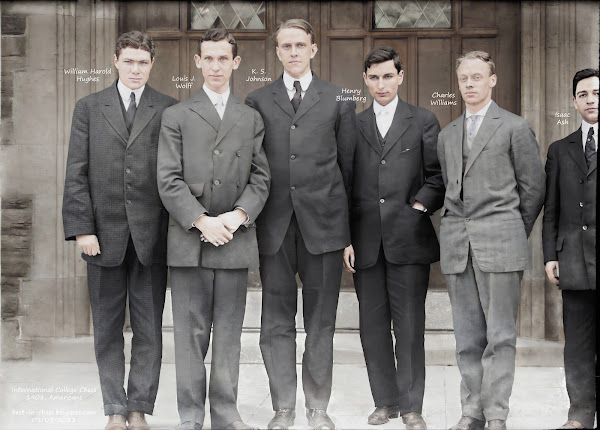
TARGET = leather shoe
(283,419)
(468,423)
(239,425)
(414,421)
(319,420)
(137,421)
(188,425)
(116,422)
(382,415)
(496,425)
(572,424)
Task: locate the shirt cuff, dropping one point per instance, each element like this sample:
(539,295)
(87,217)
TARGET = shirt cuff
(247,222)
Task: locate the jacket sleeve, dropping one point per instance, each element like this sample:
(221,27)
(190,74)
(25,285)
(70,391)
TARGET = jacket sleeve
(345,133)
(551,206)
(431,194)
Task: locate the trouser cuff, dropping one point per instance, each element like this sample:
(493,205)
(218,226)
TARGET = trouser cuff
(115,410)
(136,405)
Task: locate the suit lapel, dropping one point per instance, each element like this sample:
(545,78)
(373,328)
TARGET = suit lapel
(111,109)
(311,98)
(367,127)
(400,124)
(281,98)
(575,149)
(233,112)
(144,113)
(202,105)
(455,146)
(488,127)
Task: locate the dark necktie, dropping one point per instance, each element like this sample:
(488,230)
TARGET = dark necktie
(590,147)
(130,114)
(298,96)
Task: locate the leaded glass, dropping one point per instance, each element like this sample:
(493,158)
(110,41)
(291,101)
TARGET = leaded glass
(412,14)
(233,15)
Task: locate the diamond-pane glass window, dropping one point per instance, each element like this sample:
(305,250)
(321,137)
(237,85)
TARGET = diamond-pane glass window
(232,15)
(412,14)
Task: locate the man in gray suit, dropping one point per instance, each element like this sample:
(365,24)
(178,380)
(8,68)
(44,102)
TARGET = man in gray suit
(213,178)
(494,192)
(112,208)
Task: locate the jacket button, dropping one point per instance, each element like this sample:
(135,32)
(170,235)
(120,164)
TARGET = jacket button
(128,187)
(238,153)
(216,182)
(467,219)
(128,170)
(584,227)
(381,200)
(128,202)
(216,152)
(580,204)
(581,181)
(293,157)
(293,127)
(382,161)
(293,188)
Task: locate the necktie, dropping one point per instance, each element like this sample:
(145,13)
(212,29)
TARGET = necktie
(590,147)
(472,130)
(298,96)
(382,124)
(130,111)
(219,106)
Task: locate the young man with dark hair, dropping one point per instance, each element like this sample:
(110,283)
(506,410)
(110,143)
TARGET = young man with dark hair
(112,208)
(309,141)
(213,178)
(397,185)
(569,239)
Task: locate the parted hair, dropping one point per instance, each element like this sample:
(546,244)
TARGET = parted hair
(135,39)
(581,75)
(215,35)
(478,55)
(381,54)
(296,23)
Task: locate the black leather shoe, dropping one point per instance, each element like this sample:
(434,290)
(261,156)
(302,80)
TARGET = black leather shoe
(239,425)
(496,425)
(382,415)
(468,423)
(414,421)
(319,420)
(283,419)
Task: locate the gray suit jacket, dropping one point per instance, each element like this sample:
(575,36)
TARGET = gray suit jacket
(110,182)
(210,165)
(503,193)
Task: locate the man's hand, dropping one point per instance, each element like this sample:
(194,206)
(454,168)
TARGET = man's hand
(233,219)
(349,259)
(213,230)
(88,243)
(419,206)
(552,271)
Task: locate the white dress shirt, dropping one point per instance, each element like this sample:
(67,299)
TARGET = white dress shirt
(481,114)
(288,81)
(219,101)
(385,115)
(125,94)
(585,129)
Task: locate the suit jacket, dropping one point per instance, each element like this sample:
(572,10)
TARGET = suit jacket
(503,193)
(209,165)
(110,182)
(310,153)
(404,170)
(569,228)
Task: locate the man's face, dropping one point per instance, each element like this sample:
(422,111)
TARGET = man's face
(295,51)
(475,82)
(133,66)
(586,99)
(383,81)
(217,64)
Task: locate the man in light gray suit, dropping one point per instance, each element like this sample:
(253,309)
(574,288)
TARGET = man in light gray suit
(494,192)
(213,178)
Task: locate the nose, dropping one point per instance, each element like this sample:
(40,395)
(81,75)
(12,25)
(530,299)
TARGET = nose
(136,67)
(380,83)
(294,51)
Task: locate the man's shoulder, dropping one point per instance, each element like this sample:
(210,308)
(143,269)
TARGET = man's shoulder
(512,119)
(562,143)
(161,98)
(262,91)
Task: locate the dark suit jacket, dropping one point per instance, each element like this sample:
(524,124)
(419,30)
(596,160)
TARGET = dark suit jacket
(404,170)
(503,193)
(310,153)
(569,229)
(206,164)
(110,182)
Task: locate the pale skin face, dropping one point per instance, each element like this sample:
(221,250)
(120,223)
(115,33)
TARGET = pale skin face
(383,81)
(133,66)
(295,50)
(475,82)
(217,64)
(586,99)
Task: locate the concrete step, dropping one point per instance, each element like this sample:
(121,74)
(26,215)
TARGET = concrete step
(439,349)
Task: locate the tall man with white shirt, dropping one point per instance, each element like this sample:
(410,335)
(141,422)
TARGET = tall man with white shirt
(569,239)
(112,208)
(213,178)
(494,192)
(309,141)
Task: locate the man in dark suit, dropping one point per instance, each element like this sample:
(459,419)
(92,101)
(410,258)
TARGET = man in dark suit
(397,184)
(213,178)
(112,208)
(309,141)
(569,239)
(494,182)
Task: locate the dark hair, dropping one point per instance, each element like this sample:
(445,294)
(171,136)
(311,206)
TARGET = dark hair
(296,23)
(216,35)
(135,39)
(478,55)
(581,75)
(381,54)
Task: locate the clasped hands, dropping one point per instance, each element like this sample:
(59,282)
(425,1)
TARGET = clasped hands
(219,230)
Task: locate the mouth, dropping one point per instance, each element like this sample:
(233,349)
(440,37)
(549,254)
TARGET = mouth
(381,94)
